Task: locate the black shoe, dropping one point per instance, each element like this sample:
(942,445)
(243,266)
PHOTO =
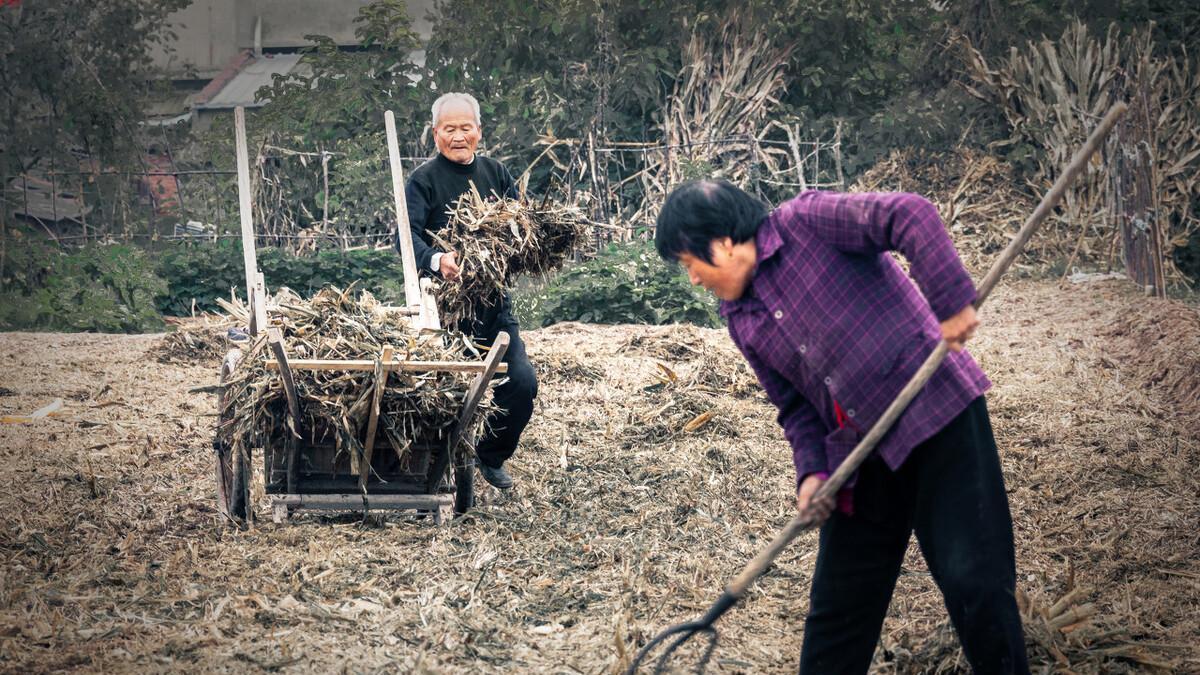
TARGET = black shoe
(497,476)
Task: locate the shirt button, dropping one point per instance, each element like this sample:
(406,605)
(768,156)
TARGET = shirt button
(828,381)
(778,314)
(803,348)
(850,412)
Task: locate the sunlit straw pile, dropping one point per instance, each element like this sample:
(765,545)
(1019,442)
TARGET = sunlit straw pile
(335,404)
(498,241)
(202,342)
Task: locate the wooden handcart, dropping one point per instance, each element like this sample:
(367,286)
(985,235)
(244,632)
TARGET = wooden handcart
(303,475)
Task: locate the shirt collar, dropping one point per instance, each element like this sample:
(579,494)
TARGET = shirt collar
(767,243)
(466,169)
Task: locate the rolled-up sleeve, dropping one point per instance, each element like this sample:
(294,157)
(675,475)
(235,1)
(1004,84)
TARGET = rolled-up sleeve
(874,222)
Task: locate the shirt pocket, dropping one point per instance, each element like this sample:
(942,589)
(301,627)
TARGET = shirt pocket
(912,353)
(838,446)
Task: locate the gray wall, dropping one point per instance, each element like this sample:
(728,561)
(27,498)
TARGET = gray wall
(205,31)
(286,22)
(211,32)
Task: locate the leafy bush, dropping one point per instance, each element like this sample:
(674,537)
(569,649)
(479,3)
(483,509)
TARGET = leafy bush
(626,283)
(1187,256)
(109,288)
(203,273)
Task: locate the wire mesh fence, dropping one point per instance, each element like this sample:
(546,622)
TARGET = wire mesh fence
(313,199)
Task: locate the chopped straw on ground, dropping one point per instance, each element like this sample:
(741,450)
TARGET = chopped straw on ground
(498,240)
(115,560)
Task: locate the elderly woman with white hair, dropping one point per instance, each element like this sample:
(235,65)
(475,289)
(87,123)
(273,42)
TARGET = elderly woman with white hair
(433,188)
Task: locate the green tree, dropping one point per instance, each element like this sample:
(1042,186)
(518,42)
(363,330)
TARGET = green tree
(76,72)
(568,67)
(337,106)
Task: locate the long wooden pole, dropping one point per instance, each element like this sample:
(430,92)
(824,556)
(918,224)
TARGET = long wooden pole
(249,258)
(763,560)
(412,287)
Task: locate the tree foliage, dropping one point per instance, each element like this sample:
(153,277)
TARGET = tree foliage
(76,72)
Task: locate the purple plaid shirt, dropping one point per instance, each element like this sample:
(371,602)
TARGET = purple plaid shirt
(830,316)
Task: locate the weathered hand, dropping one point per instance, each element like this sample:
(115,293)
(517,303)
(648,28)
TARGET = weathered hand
(959,328)
(817,511)
(448,267)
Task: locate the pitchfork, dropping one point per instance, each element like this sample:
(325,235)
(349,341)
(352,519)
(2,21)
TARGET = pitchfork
(761,562)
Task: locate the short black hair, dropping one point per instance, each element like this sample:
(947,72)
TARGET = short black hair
(698,212)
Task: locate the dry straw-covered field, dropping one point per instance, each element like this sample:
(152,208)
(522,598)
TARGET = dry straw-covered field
(642,488)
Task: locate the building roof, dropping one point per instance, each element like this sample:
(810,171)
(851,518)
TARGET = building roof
(249,73)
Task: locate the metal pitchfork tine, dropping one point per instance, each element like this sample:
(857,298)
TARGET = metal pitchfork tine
(761,562)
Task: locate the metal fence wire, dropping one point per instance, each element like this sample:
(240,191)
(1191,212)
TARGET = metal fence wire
(296,201)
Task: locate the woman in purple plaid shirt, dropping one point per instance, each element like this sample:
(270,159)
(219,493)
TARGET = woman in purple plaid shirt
(834,328)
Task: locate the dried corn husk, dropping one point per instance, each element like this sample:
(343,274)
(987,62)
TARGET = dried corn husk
(1053,93)
(497,241)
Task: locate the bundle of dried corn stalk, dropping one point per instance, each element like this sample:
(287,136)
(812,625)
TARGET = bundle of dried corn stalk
(496,242)
(335,404)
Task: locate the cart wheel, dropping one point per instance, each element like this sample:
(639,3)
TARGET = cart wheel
(232,466)
(233,483)
(464,486)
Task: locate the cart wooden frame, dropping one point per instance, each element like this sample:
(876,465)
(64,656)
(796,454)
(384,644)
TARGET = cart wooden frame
(375,481)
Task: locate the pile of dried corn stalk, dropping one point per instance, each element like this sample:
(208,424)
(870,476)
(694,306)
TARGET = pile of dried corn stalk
(335,404)
(979,198)
(496,242)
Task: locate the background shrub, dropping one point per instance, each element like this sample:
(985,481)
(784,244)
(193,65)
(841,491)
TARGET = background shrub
(625,283)
(109,288)
(203,273)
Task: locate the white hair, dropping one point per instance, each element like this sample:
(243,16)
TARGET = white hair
(451,97)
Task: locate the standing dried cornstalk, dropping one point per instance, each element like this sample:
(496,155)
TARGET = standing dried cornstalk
(716,114)
(497,241)
(1053,92)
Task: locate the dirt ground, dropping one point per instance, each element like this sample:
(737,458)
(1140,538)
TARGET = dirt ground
(623,522)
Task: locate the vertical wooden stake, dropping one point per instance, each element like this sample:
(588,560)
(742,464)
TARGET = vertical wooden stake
(412,288)
(249,257)
(796,158)
(381,375)
(429,312)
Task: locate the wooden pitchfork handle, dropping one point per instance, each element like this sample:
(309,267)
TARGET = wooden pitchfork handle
(761,562)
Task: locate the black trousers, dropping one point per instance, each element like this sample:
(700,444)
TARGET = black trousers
(515,396)
(950,491)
